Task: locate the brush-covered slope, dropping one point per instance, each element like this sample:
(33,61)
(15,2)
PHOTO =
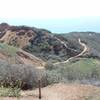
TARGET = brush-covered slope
(39,42)
(15,55)
(91,39)
(48,46)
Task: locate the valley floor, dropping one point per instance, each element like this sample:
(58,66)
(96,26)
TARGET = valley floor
(62,92)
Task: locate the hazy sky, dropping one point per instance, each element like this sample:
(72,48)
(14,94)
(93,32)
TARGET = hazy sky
(55,15)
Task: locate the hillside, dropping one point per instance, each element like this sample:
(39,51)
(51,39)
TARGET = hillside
(14,55)
(48,46)
(91,39)
(32,45)
(71,61)
(39,42)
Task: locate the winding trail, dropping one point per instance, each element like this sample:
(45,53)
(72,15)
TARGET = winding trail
(80,54)
(30,58)
(65,45)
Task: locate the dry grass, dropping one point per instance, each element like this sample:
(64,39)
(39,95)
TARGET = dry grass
(62,92)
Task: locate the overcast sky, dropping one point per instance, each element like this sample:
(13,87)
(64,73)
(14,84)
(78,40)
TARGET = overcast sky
(55,15)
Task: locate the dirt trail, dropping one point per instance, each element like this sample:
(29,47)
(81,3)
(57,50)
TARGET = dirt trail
(62,92)
(62,42)
(31,60)
(80,54)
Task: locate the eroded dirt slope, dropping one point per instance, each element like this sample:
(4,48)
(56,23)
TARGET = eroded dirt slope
(20,57)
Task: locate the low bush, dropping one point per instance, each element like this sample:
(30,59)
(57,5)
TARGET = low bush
(8,49)
(9,92)
(84,70)
(21,76)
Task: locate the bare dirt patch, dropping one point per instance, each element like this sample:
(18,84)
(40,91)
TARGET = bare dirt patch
(62,92)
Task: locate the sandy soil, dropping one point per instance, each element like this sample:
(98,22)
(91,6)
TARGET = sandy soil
(62,92)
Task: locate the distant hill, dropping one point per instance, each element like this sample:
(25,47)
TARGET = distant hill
(91,39)
(39,42)
(66,57)
(47,45)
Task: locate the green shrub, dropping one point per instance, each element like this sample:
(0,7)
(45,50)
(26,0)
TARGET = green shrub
(84,69)
(49,66)
(53,76)
(9,49)
(11,92)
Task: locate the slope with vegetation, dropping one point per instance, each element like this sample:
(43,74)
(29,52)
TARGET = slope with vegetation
(91,39)
(15,55)
(28,54)
(39,42)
